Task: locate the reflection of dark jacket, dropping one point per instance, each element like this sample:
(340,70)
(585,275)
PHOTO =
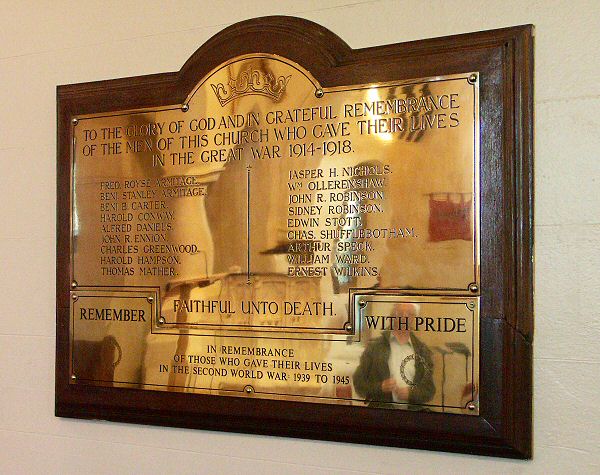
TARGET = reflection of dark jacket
(373,369)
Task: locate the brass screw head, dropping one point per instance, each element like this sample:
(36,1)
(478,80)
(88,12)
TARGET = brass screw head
(150,299)
(473,287)
(75,121)
(319,93)
(472,78)
(161,320)
(73,284)
(185,107)
(249,389)
(471,406)
(348,327)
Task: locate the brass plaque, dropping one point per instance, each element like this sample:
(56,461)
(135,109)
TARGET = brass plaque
(270,238)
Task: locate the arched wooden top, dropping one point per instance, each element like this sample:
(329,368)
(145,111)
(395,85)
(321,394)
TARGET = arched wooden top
(313,46)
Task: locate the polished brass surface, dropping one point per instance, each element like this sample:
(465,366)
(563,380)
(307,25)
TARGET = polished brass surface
(247,224)
(444,331)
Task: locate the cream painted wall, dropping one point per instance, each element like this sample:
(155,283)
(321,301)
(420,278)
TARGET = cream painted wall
(44,43)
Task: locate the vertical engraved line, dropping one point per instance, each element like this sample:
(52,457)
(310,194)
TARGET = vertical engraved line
(248,224)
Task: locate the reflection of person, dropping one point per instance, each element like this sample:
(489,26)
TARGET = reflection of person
(397,366)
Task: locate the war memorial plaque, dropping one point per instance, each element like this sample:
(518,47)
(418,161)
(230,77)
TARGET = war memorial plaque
(278,235)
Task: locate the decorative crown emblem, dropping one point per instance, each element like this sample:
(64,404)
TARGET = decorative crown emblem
(251,82)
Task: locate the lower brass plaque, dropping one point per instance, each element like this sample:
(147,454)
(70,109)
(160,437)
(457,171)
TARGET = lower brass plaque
(271,238)
(399,351)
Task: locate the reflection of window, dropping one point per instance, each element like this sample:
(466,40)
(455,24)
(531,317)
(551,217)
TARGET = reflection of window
(450,216)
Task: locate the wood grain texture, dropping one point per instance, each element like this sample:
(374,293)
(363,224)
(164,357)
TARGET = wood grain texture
(504,59)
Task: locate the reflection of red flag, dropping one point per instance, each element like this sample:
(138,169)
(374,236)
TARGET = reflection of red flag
(450,218)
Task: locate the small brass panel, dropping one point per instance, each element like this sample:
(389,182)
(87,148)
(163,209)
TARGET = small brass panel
(108,331)
(258,215)
(424,349)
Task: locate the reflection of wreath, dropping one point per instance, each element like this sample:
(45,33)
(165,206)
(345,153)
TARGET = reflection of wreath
(418,360)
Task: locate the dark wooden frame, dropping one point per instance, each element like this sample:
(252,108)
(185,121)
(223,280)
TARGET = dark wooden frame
(504,59)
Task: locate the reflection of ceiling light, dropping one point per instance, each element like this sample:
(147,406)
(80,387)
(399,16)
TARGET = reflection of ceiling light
(373,96)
